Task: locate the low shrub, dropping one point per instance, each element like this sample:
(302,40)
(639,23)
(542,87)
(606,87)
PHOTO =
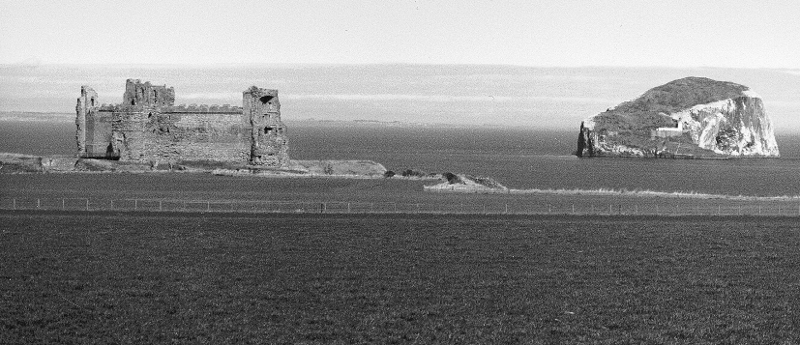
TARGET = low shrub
(413,173)
(452,178)
(328,169)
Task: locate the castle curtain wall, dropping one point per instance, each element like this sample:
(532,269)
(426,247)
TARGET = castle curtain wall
(173,136)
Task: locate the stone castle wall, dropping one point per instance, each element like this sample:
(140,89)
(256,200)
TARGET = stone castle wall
(147,127)
(98,134)
(145,94)
(87,103)
(151,136)
(262,109)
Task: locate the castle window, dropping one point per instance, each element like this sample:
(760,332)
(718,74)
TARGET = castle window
(268,130)
(266,99)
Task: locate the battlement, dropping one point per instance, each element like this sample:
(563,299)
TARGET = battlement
(203,108)
(182,108)
(119,107)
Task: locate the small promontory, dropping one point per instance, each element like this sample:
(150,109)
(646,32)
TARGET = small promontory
(692,117)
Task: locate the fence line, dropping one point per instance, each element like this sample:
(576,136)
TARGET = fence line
(696,208)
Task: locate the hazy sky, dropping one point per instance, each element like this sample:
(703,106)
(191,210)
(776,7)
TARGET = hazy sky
(535,33)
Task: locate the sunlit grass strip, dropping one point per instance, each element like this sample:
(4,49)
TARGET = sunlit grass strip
(444,188)
(651,193)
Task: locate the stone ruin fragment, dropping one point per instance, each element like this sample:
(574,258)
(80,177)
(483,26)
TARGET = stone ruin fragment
(148,128)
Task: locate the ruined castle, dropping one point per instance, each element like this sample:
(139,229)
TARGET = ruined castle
(148,128)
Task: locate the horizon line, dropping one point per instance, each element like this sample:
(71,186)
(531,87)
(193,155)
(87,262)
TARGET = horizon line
(27,64)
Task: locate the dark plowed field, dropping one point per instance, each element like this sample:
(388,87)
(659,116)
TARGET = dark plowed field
(86,278)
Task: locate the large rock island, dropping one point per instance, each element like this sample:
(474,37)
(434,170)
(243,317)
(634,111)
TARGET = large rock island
(692,117)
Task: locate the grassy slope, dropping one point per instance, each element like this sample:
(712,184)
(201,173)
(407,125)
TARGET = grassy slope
(107,279)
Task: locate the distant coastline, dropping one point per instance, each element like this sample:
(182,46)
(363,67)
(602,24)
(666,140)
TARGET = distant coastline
(551,98)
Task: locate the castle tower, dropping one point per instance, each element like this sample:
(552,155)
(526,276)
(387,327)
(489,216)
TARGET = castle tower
(87,104)
(147,95)
(261,110)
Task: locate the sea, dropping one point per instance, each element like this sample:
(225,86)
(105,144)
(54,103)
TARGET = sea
(517,125)
(517,158)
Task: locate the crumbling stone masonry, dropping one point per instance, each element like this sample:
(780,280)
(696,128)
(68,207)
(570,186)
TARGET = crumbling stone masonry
(148,128)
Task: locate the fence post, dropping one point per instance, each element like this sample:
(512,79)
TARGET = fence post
(135,204)
(719,210)
(573,208)
(62,204)
(87,204)
(506,208)
(159,205)
(112,204)
(15,204)
(759,209)
(348,207)
(208,206)
(38,203)
(636,209)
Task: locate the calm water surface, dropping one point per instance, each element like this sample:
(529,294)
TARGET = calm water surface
(516,158)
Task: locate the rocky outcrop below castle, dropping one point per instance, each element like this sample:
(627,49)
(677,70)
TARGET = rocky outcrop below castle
(692,117)
(14,163)
(462,183)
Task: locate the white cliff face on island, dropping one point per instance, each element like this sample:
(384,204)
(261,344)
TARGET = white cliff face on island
(691,117)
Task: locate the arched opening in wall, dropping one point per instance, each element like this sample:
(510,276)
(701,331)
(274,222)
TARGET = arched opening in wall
(93,101)
(268,130)
(111,153)
(266,99)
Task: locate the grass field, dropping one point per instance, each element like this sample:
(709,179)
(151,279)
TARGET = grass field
(103,278)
